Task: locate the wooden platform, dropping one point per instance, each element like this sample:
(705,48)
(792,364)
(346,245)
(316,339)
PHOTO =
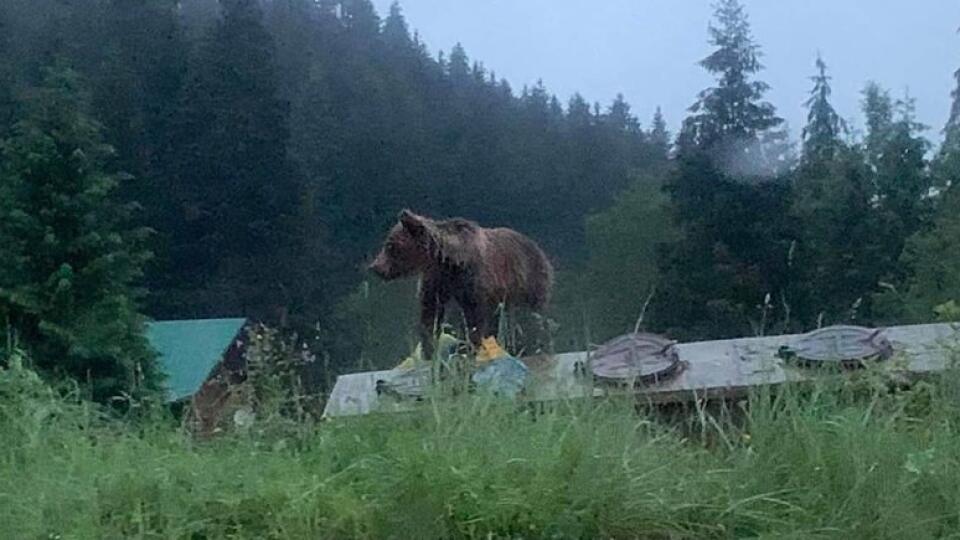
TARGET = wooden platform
(713,369)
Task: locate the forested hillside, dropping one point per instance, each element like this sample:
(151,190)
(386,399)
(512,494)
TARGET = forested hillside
(259,149)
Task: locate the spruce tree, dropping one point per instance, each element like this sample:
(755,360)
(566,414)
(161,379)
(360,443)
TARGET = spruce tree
(734,249)
(72,262)
(620,118)
(932,286)
(836,259)
(135,92)
(361,21)
(458,66)
(297,29)
(951,131)
(877,108)
(396,33)
(728,120)
(659,136)
(904,178)
(578,112)
(896,153)
(946,163)
(835,224)
(822,134)
(900,181)
(831,212)
(230,242)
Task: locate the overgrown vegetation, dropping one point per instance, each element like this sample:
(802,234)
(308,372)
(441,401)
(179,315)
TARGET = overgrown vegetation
(842,460)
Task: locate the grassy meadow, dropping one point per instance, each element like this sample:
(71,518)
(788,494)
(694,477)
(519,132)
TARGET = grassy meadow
(841,460)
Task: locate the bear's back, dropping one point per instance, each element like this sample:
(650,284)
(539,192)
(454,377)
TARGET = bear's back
(514,267)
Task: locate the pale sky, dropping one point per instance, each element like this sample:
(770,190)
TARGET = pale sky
(648,49)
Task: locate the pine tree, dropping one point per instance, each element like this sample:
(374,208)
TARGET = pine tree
(361,21)
(68,285)
(903,179)
(659,136)
(297,28)
(620,118)
(135,92)
(878,111)
(952,129)
(822,134)
(900,180)
(623,147)
(835,224)
(396,33)
(458,67)
(404,51)
(950,150)
(729,119)
(946,164)
(234,187)
(735,243)
(578,112)
(896,153)
(932,285)
(832,216)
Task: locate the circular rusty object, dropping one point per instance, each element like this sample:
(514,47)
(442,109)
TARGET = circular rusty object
(638,359)
(844,346)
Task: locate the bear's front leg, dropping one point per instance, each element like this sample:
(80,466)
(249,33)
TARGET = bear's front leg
(481,321)
(431,317)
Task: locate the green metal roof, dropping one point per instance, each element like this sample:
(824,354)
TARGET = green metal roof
(189,350)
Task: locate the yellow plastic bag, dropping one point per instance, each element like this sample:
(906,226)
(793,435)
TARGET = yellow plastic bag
(498,371)
(446,345)
(490,350)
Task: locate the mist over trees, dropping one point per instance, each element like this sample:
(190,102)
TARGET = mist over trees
(268,144)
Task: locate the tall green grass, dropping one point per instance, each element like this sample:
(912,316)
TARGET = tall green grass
(836,461)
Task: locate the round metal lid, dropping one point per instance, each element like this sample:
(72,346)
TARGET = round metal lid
(639,358)
(848,346)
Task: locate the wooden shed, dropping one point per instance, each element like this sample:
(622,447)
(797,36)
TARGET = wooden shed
(205,365)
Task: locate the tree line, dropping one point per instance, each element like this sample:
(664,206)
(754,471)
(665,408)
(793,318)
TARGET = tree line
(757,235)
(205,158)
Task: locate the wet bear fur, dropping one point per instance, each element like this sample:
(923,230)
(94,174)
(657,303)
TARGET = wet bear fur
(457,260)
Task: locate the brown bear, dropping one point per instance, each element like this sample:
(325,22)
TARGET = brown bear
(480,268)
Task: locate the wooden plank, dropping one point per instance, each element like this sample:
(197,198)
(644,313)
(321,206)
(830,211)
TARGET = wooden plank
(725,368)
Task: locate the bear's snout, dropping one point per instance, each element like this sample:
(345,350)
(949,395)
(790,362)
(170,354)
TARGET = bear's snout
(380,267)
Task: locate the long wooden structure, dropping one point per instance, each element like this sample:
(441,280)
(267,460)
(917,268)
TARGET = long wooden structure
(711,369)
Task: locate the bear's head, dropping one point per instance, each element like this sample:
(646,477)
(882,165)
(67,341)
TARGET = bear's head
(406,249)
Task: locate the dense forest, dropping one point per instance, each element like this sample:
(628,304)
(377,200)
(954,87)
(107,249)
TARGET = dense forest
(205,158)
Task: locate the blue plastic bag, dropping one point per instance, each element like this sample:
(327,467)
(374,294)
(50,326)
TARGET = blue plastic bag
(505,377)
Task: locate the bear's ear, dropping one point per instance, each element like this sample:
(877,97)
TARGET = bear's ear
(411,221)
